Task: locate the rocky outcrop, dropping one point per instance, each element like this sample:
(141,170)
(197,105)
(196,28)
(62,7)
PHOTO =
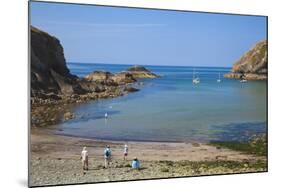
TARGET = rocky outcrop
(252,65)
(101,77)
(68,115)
(49,73)
(53,86)
(141,72)
(123,78)
(108,78)
(98,76)
(130,89)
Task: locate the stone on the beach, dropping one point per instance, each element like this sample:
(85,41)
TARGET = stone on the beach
(68,115)
(195,144)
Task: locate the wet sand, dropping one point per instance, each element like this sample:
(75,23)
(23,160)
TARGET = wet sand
(55,159)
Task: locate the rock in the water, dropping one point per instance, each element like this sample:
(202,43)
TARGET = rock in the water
(252,65)
(108,78)
(123,78)
(131,89)
(141,72)
(98,76)
(68,115)
(138,68)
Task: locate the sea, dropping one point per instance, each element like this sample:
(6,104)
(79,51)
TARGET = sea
(171,108)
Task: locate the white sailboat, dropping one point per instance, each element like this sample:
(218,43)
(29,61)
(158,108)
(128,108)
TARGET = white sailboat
(195,80)
(219,80)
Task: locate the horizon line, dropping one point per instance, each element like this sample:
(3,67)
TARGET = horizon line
(147,64)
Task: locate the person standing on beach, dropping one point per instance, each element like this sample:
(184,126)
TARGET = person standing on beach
(84,158)
(107,156)
(126,150)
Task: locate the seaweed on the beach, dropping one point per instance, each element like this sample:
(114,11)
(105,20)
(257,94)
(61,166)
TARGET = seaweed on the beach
(200,166)
(256,145)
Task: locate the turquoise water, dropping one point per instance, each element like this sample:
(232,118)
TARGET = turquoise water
(171,108)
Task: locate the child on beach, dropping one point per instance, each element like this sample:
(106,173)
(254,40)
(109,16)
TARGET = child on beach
(136,164)
(107,156)
(126,150)
(84,158)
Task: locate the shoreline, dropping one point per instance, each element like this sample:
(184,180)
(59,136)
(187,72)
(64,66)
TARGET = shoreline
(56,130)
(42,135)
(55,159)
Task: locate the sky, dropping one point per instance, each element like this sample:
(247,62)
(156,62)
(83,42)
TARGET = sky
(99,34)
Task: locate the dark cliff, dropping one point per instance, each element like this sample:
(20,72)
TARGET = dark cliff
(52,82)
(49,73)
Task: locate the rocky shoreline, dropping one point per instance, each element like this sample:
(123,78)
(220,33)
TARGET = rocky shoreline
(46,108)
(246,76)
(252,65)
(54,88)
(55,159)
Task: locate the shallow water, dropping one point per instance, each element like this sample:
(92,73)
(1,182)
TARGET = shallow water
(171,108)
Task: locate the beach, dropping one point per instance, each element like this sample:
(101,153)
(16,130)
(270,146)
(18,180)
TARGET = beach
(174,128)
(55,159)
(178,119)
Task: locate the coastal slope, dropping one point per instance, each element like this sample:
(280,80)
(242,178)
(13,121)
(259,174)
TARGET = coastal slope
(53,86)
(52,82)
(252,65)
(49,73)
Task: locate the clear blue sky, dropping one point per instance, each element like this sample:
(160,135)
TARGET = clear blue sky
(96,34)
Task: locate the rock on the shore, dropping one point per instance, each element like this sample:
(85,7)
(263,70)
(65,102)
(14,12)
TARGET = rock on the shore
(68,115)
(141,72)
(108,78)
(252,65)
(123,78)
(130,89)
(98,76)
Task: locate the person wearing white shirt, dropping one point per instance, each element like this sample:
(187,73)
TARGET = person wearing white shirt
(84,158)
(126,151)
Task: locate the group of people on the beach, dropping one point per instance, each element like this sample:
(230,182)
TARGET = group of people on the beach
(135,164)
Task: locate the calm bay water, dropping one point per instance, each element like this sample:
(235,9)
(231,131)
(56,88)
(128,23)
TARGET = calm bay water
(171,108)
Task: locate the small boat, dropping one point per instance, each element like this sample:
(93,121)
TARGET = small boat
(105,115)
(195,80)
(219,80)
(243,81)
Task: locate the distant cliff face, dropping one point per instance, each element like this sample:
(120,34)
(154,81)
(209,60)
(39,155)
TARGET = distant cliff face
(49,73)
(252,65)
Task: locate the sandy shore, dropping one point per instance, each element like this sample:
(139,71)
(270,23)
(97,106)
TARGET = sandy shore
(55,159)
